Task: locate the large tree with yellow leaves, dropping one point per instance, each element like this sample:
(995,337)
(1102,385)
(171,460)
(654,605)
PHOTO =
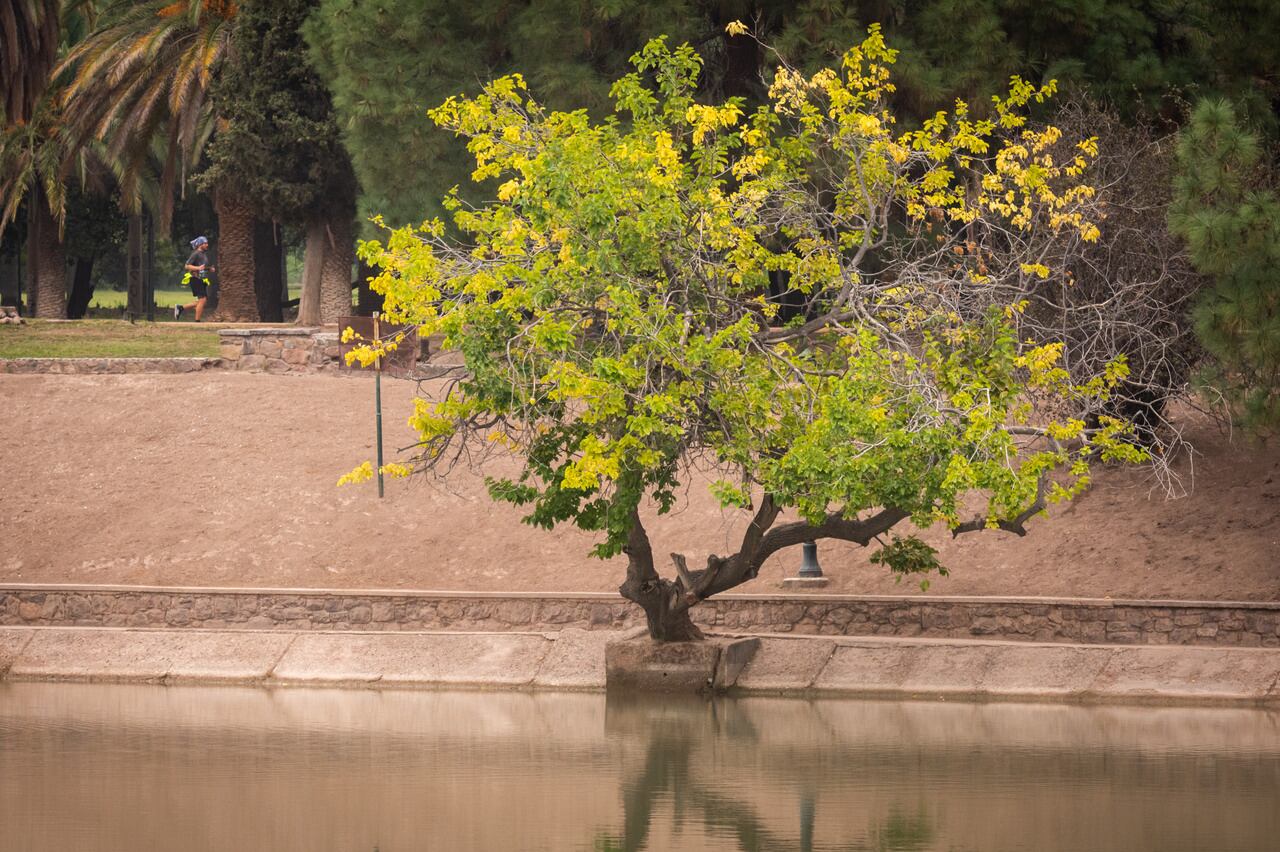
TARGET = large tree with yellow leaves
(611,306)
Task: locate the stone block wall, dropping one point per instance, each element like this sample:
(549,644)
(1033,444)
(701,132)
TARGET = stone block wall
(279,350)
(1025,619)
(103,366)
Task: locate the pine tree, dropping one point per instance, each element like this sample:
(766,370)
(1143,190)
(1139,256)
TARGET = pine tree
(1231,222)
(280,149)
(387,63)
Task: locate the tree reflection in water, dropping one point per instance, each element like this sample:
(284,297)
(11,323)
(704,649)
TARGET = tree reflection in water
(677,728)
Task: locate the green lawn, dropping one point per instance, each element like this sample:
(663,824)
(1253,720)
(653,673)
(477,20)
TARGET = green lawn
(107,339)
(109,303)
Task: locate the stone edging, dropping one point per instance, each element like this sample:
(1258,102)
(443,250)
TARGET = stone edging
(1217,623)
(576,659)
(102,366)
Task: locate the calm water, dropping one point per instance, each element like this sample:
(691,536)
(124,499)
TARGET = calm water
(138,768)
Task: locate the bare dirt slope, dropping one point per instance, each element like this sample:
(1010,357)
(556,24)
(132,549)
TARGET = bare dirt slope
(224,479)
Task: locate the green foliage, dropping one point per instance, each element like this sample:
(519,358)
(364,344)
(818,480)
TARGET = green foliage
(907,556)
(1230,219)
(609,303)
(387,62)
(279,142)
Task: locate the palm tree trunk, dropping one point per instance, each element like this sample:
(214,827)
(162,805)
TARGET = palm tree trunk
(47,261)
(237,300)
(335,275)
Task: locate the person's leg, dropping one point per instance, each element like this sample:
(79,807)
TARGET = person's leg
(200,308)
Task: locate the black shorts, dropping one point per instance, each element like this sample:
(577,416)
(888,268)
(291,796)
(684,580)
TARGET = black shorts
(199,288)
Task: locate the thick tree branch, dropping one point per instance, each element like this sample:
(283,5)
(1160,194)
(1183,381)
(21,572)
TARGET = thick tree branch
(835,526)
(722,572)
(1015,525)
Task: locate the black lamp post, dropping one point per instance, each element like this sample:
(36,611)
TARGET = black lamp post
(809,566)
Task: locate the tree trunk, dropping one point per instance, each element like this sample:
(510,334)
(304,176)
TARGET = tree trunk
(663,603)
(46,262)
(367,301)
(312,263)
(668,620)
(149,270)
(268,282)
(237,301)
(335,276)
(81,288)
(10,283)
(133,268)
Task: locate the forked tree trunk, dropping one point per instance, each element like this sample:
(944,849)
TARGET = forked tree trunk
(312,269)
(667,621)
(667,617)
(47,262)
(335,275)
(237,301)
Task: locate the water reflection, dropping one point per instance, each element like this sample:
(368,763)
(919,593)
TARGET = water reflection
(134,768)
(676,728)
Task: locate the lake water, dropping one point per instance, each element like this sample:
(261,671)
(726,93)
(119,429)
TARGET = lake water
(137,768)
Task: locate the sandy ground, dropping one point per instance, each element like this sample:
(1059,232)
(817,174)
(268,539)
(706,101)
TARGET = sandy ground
(220,479)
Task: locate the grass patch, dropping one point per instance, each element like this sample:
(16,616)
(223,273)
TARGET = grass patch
(108,304)
(107,339)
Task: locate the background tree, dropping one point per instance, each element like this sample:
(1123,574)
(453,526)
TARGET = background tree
(609,305)
(281,147)
(1230,219)
(385,63)
(31,34)
(37,154)
(143,79)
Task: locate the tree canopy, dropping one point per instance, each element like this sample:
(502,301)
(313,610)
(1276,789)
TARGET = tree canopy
(610,305)
(279,143)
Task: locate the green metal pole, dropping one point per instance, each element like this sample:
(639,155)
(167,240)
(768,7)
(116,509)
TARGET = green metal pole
(377,391)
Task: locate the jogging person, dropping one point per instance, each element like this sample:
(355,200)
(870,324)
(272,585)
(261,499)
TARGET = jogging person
(198,270)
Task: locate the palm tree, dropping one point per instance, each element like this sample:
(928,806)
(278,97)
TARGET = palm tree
(36,152)
(30,34)
(147,75)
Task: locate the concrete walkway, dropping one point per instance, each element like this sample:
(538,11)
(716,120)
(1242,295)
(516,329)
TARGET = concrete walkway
(574,660)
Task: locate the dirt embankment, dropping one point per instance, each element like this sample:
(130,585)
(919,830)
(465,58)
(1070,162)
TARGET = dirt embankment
(228,479)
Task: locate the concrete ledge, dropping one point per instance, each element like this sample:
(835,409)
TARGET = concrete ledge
(576,660)
(12,643)
(150,655)
(643,665)
(442,659)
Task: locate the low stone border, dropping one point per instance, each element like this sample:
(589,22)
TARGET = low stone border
(99,366)
(576,659)
(279,350)
(1119,622)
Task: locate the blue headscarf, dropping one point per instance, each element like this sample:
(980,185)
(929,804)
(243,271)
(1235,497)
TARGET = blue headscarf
(198,241)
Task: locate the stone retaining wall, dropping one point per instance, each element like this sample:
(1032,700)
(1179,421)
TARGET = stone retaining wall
(1245,624)
(279,350)
(93,366)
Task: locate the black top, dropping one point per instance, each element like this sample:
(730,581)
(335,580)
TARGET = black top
(198,258)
